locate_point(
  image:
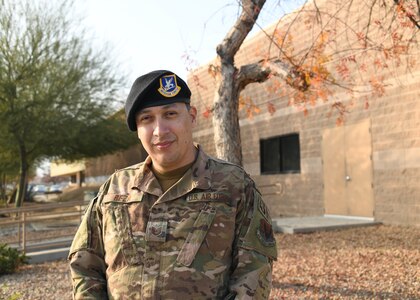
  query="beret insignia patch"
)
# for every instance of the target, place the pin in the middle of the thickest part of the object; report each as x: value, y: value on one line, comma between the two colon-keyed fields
x: 265, y: 233
x: 168, y: 86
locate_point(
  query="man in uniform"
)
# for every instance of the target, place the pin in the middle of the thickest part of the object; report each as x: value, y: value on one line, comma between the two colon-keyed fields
x: 180, y: 225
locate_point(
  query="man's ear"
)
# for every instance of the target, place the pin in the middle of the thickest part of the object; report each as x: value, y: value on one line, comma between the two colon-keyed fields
x: 193, y: 114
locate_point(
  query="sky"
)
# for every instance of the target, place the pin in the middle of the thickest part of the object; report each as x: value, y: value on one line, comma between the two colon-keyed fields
x: 147, y: 35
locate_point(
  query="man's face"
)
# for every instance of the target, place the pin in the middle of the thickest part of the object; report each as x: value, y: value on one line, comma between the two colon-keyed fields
x: 166, y: 134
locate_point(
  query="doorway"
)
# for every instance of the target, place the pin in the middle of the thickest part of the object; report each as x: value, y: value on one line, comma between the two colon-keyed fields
x: 347, y: 167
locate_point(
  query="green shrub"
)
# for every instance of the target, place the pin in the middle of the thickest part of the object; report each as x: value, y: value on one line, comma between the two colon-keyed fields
x: 10, y: 259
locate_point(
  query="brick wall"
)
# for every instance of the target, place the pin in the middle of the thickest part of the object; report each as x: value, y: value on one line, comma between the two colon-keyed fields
x: 395, y: 136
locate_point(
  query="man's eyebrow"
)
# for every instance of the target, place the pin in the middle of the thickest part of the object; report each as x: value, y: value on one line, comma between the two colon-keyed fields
x: 144, y: 111
x: 167, y: 106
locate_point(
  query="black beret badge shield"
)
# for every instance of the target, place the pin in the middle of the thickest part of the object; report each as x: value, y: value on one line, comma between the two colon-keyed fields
x: 169, y: 86
x: 156, y: 88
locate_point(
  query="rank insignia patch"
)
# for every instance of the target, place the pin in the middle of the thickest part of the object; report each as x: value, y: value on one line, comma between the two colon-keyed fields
x: 265, y: 233
x: 156, y: 231
x: 168, y: 86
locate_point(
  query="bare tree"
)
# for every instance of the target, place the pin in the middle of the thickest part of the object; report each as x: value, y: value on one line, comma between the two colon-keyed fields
x: 370, y: 35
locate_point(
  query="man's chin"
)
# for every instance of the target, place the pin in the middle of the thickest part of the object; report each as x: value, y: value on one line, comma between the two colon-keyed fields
x: 163, y: 161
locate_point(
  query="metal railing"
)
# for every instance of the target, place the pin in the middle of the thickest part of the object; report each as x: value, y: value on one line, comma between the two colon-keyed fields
x: 23, y: 216
x: 271, y: 189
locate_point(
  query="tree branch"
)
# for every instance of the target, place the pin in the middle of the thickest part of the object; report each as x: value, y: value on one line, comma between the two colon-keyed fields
x: 408, y: 15
x: 260, y: 72
x: 243, y: 25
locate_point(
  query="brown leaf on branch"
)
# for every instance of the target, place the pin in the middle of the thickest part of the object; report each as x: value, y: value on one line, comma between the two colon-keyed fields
x: 242, y: 103
x: 249, y: 113
x: 214, y: 71
x: 249, y: 105
x: 323, y: 94
x: 271, y: 108
x: 197, y: 82
x: 207, y: 112
x: 366, y: 104
x: 343, y: 69
x: 378, y: 86
x: 256, y: 109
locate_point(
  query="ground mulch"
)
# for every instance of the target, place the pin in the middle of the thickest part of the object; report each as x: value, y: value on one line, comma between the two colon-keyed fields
x: 379, y: 262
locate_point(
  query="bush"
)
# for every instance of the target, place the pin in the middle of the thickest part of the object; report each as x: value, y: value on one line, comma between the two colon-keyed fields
x: 10, y: 259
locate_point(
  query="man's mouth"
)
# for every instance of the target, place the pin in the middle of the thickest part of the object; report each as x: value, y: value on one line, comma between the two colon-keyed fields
x: 163, y: 145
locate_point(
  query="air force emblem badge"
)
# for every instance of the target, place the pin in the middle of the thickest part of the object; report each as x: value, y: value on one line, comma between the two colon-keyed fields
x: 168, y: 86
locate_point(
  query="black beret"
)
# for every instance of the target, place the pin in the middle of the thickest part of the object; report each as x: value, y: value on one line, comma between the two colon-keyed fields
x: 154, y: 89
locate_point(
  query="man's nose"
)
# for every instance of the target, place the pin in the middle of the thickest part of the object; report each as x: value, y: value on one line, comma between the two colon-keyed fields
x: 161, y: 127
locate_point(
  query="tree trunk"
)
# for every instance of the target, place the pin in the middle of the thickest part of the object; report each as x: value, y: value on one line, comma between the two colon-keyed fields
x: 12, y: 196
x: 2, y: 186
x: 227, y: 136
x: 23, y: 174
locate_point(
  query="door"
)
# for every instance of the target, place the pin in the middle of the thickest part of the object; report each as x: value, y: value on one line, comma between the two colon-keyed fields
x: 347, y: 167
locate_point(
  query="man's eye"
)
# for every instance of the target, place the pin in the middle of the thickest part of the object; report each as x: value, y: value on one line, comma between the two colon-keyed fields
x: 145, y: 118
x: 171, y: 113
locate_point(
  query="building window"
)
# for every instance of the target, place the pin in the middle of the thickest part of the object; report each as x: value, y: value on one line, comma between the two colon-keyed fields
x: 280, y: 154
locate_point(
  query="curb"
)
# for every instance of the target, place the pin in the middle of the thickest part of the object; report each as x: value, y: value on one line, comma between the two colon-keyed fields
x: 47, y: 255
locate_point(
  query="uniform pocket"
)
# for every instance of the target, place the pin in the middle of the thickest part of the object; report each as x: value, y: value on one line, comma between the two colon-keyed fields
x: 120, y: 232
x: 196, y: 236
x: 128, y: 245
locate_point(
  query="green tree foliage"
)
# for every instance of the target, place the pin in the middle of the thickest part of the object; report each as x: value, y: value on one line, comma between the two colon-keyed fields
x: 57, y: 92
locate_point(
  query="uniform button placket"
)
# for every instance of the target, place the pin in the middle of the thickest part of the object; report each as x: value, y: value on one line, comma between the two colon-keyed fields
x: 151, y: 271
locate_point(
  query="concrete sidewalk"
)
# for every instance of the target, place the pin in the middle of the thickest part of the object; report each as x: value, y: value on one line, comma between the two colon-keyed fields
x: 42, y: 256
x: 319, y: 223
x: 59, y: 248
x: 48, y: 250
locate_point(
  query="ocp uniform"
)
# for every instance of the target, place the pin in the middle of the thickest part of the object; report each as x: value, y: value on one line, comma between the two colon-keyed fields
x: 207, y: 237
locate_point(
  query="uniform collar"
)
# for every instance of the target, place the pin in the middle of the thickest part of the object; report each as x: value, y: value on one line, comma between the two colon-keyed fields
x: 200, y: 175
x: 197, y: 177
x: 145, y: 180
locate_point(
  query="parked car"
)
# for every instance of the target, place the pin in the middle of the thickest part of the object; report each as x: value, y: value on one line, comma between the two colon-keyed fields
x: 55, y: 188
x: 36, y: 189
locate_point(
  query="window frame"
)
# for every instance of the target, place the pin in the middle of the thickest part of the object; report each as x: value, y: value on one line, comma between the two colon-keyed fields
x: 280, y: 168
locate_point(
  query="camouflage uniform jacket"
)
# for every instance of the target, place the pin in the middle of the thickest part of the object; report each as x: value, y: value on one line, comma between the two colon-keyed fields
x: 207, y: 237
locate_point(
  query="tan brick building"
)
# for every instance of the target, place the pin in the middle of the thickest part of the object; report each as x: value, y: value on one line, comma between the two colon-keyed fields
x: 307, y: 165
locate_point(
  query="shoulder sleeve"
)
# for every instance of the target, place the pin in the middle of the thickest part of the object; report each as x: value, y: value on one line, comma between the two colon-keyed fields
x: 258, y: 234
x: 88, y: 235
x: 256, y: 229
x: 86, y: 255
x: 254, y: 248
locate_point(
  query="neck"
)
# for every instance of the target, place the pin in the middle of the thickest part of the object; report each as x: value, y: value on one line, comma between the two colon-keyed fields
x: 172, y: 173
x: 168, y: 169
